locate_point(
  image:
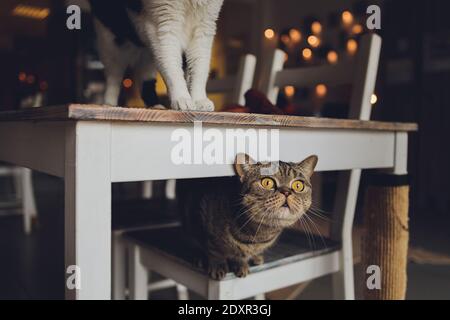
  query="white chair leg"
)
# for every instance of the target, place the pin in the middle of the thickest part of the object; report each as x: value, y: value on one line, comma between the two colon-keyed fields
x: 160, y: 284
x: 137, y: 275
x: 28, y: 201
x: 219, y: 290
x: 170, y: 189
x: 119, y: 256
x: 343, y: 280
x: 260, y: 296
x: 348, y: 186
x: 182, y: 292
x: 147, y: 189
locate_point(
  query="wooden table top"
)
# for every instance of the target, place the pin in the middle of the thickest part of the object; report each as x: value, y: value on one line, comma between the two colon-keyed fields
x: 78, y: 112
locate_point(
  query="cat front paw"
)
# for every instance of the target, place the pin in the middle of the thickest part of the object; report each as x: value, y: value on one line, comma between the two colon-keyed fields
x: 204, y: 105
x: 183, y: 104
x: 217, y: 271
x: 240, y: 269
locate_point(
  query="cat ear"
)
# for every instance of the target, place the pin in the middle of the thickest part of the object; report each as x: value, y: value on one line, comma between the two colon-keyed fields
x: 242, y: 164
x: 307, y: 166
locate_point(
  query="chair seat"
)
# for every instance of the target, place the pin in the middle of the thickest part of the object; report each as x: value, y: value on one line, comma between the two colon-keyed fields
x: 128, y: 215
x: 174, y: 244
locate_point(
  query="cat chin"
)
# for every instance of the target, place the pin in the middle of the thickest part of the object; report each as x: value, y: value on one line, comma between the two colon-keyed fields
x: 285, y: 213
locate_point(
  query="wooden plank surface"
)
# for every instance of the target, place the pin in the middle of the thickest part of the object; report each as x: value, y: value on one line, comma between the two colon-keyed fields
x: 107, y: 113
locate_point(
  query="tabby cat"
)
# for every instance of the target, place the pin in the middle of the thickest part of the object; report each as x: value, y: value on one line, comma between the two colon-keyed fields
x: 234, y: 220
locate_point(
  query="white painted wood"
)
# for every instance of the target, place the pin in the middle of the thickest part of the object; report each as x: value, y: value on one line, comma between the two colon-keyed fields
x: 344, y: 212
x: 270, y: 74
x: 171, y: 189
x: 361, y: 74
x: 134, y: 148
x: 29, y: 210
x: 244, y: 78
x: 332, y: 75
x: 237, y: 85
x: 35, y: 145
x: 147, y: 189
x: 241, y: 288
x: 365, y: 77
x: 162, y: 284
x: 138, y: 275
x: 220, y: 290
x: 182, y: 292
x: 88, y: 208
x: 119, y: 274
x: 168, y: 268
x: 23, y: 188
x: 285, y: 276
x: 401, y: 154
x: 9, y: 171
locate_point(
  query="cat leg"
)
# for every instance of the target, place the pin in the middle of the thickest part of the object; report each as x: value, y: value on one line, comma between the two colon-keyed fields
x: 257, y: 260
x: 168, y: 55
x: 198, y: 56
x: 239, y: 267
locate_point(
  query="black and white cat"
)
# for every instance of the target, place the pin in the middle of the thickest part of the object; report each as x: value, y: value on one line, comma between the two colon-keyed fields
x: 153, y: 35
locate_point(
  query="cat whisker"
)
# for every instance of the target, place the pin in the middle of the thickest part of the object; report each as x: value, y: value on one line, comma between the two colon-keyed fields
x: 321, y: 216
x: 319, y: 209
x: 260, y: 224
x: 317, y: 229
x: 306, y: 230
x: 250, y: 218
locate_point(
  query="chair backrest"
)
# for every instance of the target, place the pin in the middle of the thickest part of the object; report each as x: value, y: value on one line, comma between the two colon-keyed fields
x: 361, y: 73
x: 236, y: 85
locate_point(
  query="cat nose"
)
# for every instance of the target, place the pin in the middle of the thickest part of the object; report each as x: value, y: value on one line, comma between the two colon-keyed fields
x: 285, y: 191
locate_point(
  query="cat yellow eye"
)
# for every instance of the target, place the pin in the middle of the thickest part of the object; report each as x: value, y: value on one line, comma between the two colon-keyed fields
x: 268, y: 183
x: 298, y: 186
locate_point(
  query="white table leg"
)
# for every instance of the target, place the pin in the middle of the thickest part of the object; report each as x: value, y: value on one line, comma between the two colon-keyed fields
x: 88, y: 210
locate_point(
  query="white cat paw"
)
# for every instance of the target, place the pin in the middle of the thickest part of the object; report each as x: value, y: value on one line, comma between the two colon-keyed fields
x: 204, y: 105
x: 183, y: 104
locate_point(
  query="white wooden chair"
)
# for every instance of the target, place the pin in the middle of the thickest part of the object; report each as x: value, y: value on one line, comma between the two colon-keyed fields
x: 361, y: 74
x: 236, y: 86
x: 172, y: 254
x: 23, y: 185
